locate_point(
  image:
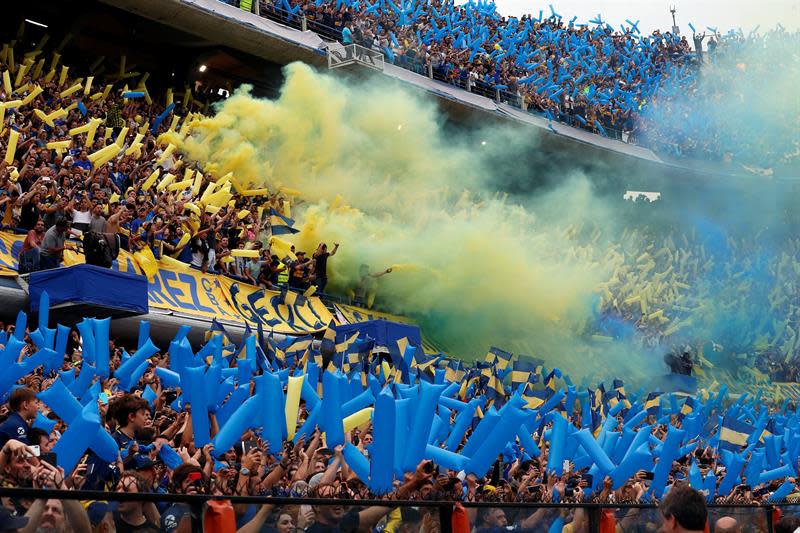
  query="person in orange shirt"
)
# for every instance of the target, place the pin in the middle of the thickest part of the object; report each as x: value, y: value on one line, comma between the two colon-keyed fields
x: 29, y: 254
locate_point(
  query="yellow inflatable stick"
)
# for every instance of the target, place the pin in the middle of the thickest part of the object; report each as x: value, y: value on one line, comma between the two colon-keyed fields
x: 207, y: 192
x: 57, y: 114
x: 63, y: 76
x: 198, y: 182
x: 289, y: 192
x: 93, y: 125
x: 244, y: 213
x: 151, y: 179
x: 121, y: 137
x: 167, y: 153
x: 31, y: 95
x: 43, y: 117
x: 7, y: 84
x: 293, y: 403
x: 21, y: 74
x: 255, y: 192
x: 37, y: 70
x: 179, y: 185
x: 104, y: 155
x: 181, y: 243
x: 219, y: 198
x: 281, y: 248
x: 212, y: 209
x: 192, y: 207
x: 169, y: 96
x: 246, y: 253
x: 59, y: 145
x: 94, y: 66
x: 166, y: 180
x: 173, y: 264
x: 136, y: 145
x: 147, y: 262
x: 13, y: 138
x: 357, y: 419
x: 107, y: 90
x: 88, y: 87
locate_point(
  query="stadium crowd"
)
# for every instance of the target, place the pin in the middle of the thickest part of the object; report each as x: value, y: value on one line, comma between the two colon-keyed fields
x: 648, y: 89
x: 57, y: 178
x: 52, y: 186
x: 155, y: 438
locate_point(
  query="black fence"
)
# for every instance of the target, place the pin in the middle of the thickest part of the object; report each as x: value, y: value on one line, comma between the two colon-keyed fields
x: 413, y: 516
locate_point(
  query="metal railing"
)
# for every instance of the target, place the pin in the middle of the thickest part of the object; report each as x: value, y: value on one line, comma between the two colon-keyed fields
x: 443, y: 73
x: 538, y: 516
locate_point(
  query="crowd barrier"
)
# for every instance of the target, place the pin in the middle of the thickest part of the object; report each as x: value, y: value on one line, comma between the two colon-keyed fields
x: 431, y: 516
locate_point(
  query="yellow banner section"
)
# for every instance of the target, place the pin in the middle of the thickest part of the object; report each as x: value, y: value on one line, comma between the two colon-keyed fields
x: 178, y: 288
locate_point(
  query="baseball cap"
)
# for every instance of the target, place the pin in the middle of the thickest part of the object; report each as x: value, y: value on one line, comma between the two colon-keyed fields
x: 98, y: 510
x: 140, y: 462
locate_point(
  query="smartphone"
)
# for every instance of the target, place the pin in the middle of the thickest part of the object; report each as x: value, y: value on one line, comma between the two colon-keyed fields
x: 35, y: 450
x: 247, y: 446
x: 428, y: 467
x: 588, y: 478
x: 649, y: 475
x: 49, y: 458
x: 324, y: 451
x: 565, y: 466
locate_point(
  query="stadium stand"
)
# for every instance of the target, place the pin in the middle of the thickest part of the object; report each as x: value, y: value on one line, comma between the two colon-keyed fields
x: 585, y: 74
x: 338, y: 417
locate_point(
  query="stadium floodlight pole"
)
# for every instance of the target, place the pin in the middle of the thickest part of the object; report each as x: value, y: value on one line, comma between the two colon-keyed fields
x: 675, y: 29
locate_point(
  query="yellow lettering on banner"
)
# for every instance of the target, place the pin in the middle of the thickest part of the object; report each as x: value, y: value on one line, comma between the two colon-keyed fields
x: 181, y: 289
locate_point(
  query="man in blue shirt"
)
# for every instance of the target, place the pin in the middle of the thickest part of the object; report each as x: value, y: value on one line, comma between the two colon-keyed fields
x: 83, y: 161
x: 347, y: 35
x: 24, y: 406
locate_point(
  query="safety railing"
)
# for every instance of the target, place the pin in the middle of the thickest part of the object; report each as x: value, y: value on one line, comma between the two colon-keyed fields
x: 344, y: 508
x: 444, y: 73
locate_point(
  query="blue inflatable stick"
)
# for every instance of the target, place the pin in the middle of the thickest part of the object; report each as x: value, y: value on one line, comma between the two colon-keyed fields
x: 79, y: 435
x: 199, y: 402
x: 332, y: 411
x: 101, y: 346
x: 382, y: 450
x: 144, y: 333
x: 450, y: 460
x: 504, y: 431
x: 243, y: 418
x: 421, y: 428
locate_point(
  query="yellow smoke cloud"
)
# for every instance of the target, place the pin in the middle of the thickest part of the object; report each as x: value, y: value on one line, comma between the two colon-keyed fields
x: 378, y: 174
